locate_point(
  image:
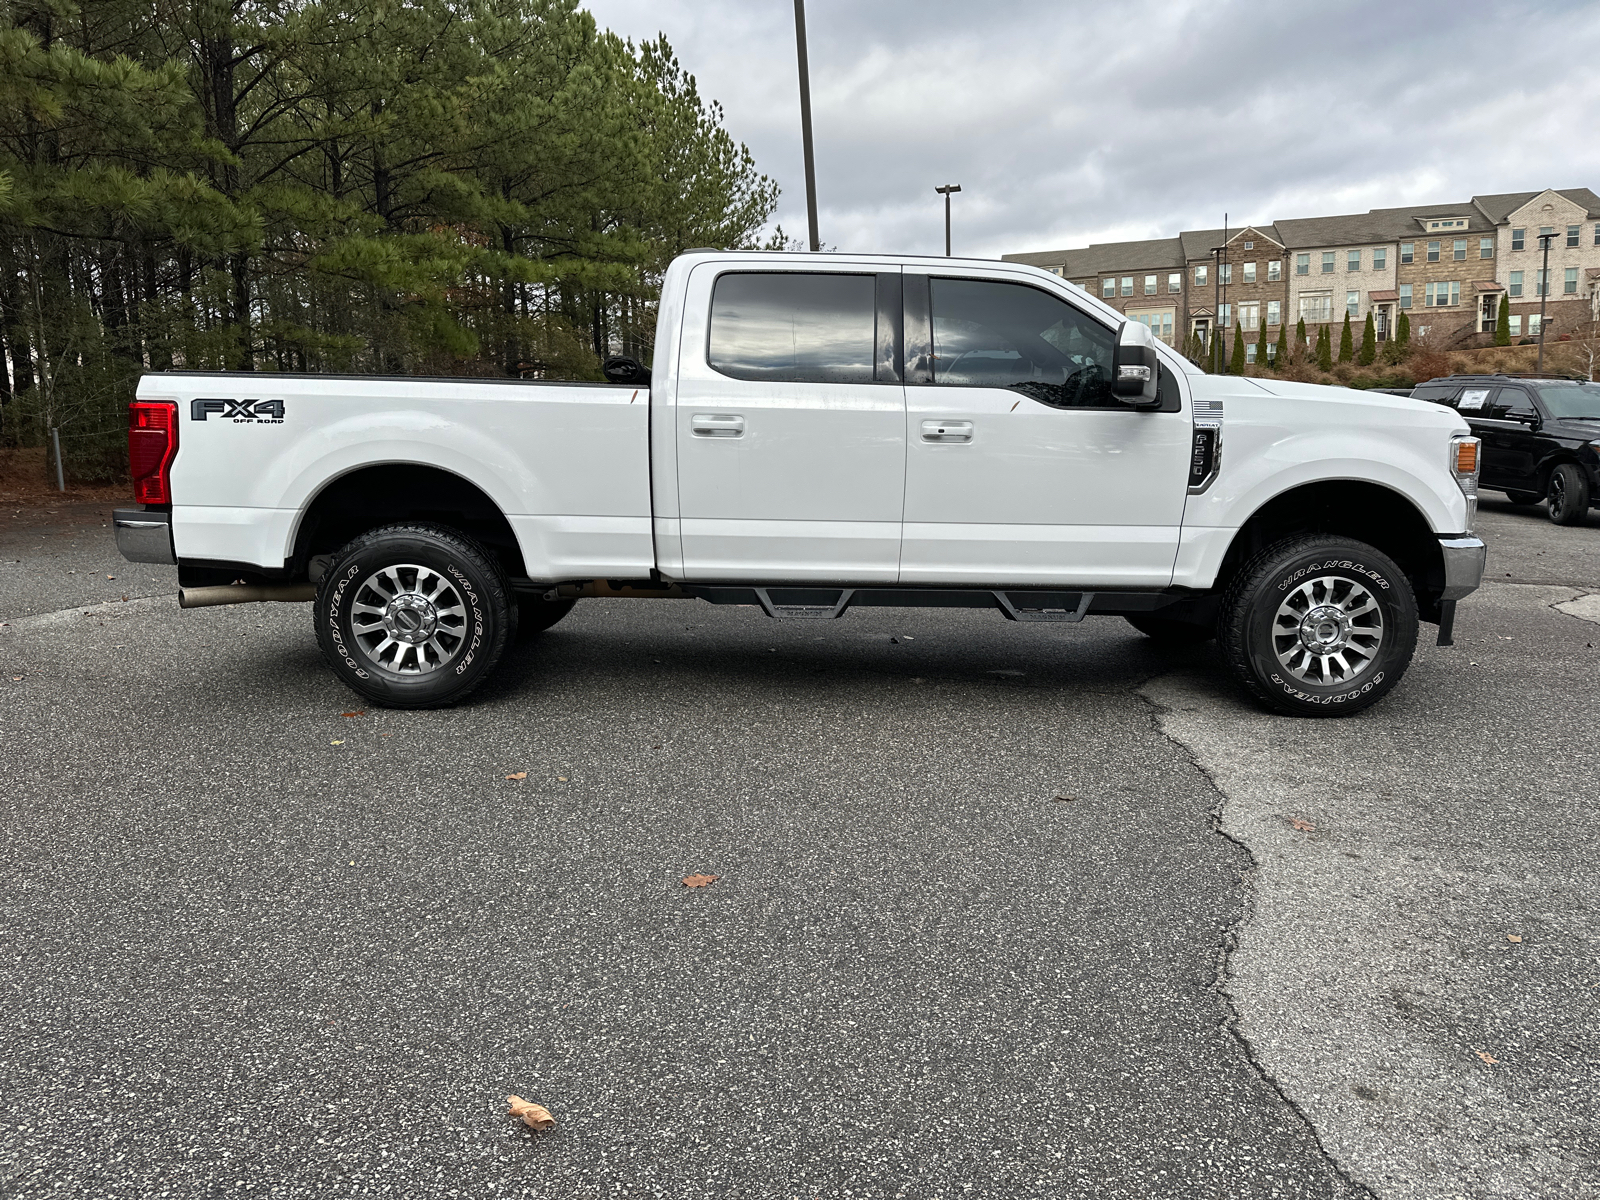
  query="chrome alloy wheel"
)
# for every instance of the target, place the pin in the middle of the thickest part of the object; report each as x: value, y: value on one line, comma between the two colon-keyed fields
x: 408, y: 619
x: 1328, y: 630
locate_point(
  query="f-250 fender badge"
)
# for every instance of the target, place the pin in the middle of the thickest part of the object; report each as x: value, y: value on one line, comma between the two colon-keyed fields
x: 253, y: 412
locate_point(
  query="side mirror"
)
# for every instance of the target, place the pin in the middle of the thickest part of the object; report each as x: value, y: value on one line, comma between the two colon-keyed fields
x: 1135, y: 366
x: 625, y: 370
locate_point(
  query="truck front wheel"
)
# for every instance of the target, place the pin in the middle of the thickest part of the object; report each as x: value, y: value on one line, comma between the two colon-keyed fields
x: 1319, y: 626
x: 413, y: 616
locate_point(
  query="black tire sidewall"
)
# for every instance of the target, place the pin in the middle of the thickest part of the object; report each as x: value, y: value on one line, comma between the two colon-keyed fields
x: 1251, y: 646
x: 1575, y: 500
x: 492, y: 624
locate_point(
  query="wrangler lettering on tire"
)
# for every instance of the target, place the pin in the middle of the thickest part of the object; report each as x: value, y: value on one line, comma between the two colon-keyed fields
x: 1319, y: 626
x: 413, y: 616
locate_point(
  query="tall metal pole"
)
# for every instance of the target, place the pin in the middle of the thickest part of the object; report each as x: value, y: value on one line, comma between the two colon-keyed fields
x: 1222, y: 272
x: 1216, y: 311
x: 805, y: 121
x: 1544, y: 291
x: 945, y: 192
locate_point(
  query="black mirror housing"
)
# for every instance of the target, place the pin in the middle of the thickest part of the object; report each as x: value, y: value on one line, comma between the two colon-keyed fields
x: 1135, y: 365
x: 622, y: 369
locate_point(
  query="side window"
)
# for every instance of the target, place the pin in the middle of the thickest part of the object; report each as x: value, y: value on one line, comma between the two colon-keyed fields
x: 1009, y: 335
x: 1475, y: 401
x: 1445, y: 395
x: 1513, y: 402
x: 799, y: 327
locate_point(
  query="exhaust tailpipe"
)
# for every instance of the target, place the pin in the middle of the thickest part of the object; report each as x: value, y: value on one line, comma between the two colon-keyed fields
x: 239, y: 593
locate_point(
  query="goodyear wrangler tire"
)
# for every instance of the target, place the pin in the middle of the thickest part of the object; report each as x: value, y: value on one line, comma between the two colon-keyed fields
x: 1319, y: 626
x: 413, y: 616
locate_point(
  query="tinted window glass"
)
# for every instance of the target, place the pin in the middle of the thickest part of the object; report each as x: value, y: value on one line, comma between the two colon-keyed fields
x: 1439, y: 395
x: 1571, y: 399
x: 794, y: 328
x: 1008, y: 335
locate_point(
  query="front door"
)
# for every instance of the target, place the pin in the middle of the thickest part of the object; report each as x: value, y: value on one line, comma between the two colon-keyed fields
x: 790, y: 423
x: 1504, y: 418
x: 1021, y: 467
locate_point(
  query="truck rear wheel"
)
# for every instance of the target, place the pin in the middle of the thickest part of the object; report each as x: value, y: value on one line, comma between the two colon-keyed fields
x: 1319, y: 626
x: 413, y: 616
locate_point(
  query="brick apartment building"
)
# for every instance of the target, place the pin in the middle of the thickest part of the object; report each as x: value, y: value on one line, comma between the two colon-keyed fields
x: 1445, y: 265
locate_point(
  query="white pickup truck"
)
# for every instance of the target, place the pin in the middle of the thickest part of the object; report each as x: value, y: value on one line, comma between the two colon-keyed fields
x: 821, y: 432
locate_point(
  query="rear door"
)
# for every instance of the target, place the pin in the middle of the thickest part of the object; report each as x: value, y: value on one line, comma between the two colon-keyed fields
x: 1021, y: 467
x: 1504, y: 419
x: 790, y: 425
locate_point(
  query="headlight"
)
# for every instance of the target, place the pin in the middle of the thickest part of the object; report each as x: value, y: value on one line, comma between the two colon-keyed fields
x: 1464, y: 467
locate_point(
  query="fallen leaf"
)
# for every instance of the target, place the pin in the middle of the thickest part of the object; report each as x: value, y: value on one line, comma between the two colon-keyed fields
x: 561, y: 778
x: 1303, y: 825
x: 336, y: 743
x: 360, y: 712
x: 518, y: 775
x: 1065, y: 799
x: 110, y: 576
x: 693, y: 881
x: 1513, y: 937
x: 1486, y: 1056
x: 534, y: 1116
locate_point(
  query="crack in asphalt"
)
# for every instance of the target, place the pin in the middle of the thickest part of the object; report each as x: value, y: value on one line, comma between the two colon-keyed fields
x: 1230, y: 941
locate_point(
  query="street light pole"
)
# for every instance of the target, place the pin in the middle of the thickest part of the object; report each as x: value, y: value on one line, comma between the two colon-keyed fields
x: 1544, y: 291
x: 805, y: 122
x: 945, y: 192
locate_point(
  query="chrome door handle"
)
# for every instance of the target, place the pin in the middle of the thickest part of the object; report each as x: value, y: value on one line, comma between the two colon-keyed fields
x: 716, y: 425
x: 947, y: 431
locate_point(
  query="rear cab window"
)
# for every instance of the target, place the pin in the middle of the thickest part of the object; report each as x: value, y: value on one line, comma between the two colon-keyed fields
x: 803, y: 327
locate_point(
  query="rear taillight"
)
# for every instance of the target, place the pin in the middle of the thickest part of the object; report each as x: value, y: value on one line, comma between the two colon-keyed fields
x: 152, y: 445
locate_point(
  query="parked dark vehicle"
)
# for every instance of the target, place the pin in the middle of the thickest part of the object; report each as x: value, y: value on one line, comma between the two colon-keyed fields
x: 1540, y: 434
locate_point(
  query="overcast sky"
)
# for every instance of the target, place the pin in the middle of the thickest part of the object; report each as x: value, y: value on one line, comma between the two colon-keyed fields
x: 1067, y: 123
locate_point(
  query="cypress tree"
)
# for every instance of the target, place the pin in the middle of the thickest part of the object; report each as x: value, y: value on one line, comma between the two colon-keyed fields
x: 1300, y: 332
x: 1402, y: 330
x: 1502, y: 325
x: 1324, y: 349
x: 1263, y: 359
x: 1236, y: 367
x: 1369, y: 343
x: 1346, y: 344
x: 1283, y: 347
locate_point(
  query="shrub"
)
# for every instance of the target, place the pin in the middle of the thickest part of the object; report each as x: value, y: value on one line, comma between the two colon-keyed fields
x: 1369, y: 343
x: 1345, y: 343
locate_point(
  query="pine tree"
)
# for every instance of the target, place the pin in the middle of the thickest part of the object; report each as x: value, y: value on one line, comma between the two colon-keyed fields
x: 1502, y: 325
x: 1324, y: 349
x: 1402, y: 330
x: 1369, y: 343
x: 1236, y: 366
x: 1346, y: 343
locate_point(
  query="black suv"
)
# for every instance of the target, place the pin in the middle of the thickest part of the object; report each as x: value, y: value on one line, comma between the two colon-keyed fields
x: 1540, y: 436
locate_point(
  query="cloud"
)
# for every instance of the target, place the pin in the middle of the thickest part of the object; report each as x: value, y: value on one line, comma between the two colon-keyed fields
x: 1067, y: 123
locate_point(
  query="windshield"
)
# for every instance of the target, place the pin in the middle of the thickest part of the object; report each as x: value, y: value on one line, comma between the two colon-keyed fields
x: 1571, y: 399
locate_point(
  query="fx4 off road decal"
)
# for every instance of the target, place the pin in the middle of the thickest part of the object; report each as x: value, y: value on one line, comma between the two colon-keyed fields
x: 240, y: 412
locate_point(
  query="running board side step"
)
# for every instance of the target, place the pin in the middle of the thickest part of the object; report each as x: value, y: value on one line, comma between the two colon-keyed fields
x: 828, y: 604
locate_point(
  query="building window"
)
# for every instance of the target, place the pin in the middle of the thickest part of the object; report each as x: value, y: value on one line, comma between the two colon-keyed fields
x: 1272, y: 351
x: 1547, y: 231
x: 1597, y: 233
x: 1405, y: 295
x: 1519, y: 239
x: 1200, y: 276
x: 1534, y: 321
x: 1433, y: 251
x: 1461, y: 249
x: 1250, y: 352
x: 1175, y: 281
x: 1227, y: 274
x: 1250, y: 316
x: 1316, y: 308
x: 1515, y: 287
x: 1327, y: 262
x: 1541, y: 285
x: 1380, y: 258
x: 1274, y: 312
x: 1149, y: 285
x: 1302, y: 262
x: 1572, y: 234
x: 1443, y: 294
x: 1486, y: 247
x: 1108, y: 287
x: 1569, y: 282
x: 1275, y: 269
x: 1249, y: 272
x: 1127, y: 285
x: 1227, y: 315
x: 1352, y: 260
x: 1406, y: 249
x: 1352, y: 303
x: 1516, y: 324
x: 1249, y: 245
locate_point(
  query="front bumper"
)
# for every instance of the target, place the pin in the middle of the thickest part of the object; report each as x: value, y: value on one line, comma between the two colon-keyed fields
x: 144, y: 537
x: 1464, y: 559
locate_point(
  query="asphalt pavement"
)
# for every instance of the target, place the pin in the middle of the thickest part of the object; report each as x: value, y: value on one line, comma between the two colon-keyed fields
x: 1001, y: 910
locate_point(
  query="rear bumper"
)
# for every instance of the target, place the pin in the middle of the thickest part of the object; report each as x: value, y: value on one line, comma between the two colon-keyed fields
x: 1464, y: 559
x: 143, y: 537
